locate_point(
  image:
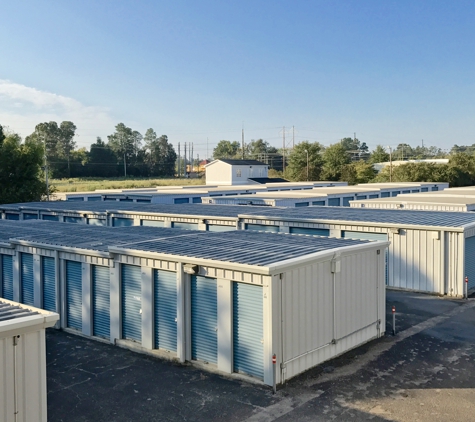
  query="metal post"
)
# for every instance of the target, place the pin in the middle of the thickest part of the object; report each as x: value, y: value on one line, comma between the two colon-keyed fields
x: 466, y: 287
x: 307, y: 163
x: 46, y: 178
x: 394, y: 320
x: 274, y: 362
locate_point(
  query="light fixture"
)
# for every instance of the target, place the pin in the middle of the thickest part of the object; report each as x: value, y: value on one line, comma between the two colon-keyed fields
x: 191, y: 268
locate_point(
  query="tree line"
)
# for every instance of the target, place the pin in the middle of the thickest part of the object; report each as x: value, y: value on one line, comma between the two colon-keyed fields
x: 126, y: 152
x: 350, y: 160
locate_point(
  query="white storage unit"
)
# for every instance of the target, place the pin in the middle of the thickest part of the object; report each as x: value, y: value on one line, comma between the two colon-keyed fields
x: 421, y: 203
x: 23, y: 362
x: 428, y: 252
x: 228, y: 300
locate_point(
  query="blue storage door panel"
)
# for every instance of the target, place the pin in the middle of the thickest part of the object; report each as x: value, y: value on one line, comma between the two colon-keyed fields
x: 262, y: 228
x: 101, y: 301
x: 369, y: 236
x: 248, y: 329
x: 131, y: 303
x: 333, y: 202
x: 7, y: 277
x: 470, y: 261
x: 74, y: 295
x: 204, y: 319
x: 309, y: 231
x: 27, y: 279
x: 165, y: 298
x: 48, y: 271
x: 122, y: 222
x: 185, y: 226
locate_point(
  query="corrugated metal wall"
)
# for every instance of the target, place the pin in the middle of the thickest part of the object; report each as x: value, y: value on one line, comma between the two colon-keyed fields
x: 48, y: 275
x: 74, y: 295
x: 27, y: 279
x: 165, y: 310
x: 101, y: 301
x: 131, y: 298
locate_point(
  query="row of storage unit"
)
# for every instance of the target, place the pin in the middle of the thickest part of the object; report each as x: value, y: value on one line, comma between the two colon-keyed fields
x: 228, y: 301
x: 429, y: 252
x: 185, y: 194
x: 451, y: 199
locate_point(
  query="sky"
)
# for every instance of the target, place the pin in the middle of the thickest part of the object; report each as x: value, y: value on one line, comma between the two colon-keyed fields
x: 199, y: 71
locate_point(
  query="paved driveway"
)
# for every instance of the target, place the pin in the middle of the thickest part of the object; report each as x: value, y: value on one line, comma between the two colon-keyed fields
x: 425, y: 373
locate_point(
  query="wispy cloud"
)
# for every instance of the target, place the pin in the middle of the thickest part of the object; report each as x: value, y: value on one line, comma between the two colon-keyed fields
x: 23, y: 107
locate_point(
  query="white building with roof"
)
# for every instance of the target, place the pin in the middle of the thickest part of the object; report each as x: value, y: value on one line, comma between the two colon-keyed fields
x: 235, y: 172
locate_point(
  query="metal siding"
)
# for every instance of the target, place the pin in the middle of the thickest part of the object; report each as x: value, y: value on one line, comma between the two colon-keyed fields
x: 309, y: 231
x: 101, y: 301
x: 248, y: 329
x: 48, y: 276
x: 74, y: 295
x: 122, y: 222
x: 165, y: 310
x: 370, y: 236
x: 262, y: 228
x: 334, y: 202
x: 27, y: 279
x: 204, y: 319
x: 7, y: 277
x: 470, y: 261
x: 131, y: 302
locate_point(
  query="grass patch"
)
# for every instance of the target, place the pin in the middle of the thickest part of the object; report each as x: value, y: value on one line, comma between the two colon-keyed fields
x: 92, y: 184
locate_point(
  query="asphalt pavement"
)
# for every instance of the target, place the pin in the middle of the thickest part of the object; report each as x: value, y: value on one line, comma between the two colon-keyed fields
x: 424, y: 373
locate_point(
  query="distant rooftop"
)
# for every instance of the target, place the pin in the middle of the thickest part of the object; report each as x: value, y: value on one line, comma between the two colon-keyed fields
x: 242, y: 162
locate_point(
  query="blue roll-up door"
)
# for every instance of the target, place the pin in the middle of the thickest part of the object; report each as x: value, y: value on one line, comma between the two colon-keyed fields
x: 74, y: 295
x: 470, y: 261
x: 27, y: 279
x: 48, y: 217
x: 435, y: 188
x: 369, y: 236
x: 197, y: 200
x: 424, y: 189
x: 309, y: 231
x: 9, y: 216
x: 373, y: 196
x: 122, y: 222
x: 96, y: 222
x: 131, y: 296
x: 28, y: 216
x: 262, y: 228
x: 346, y: 201
x: 165, y: 299
x: 395, y: 193
x: 301, y: 204
x: 101, y: 301
x: 7, y: 277
x: 248, y: 329
x: 48, y: 277
x: 333, y: 202
x: 185, y: 226
x: 181, y: 200
x: 204, y: 319
x: 322, y: 203
x: 219, y: 228
x: 385, y: 194
x: 73, y: 219
x: 152, y: 223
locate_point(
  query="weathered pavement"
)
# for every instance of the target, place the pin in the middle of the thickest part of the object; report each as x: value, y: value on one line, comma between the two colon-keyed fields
x: 425, y: 373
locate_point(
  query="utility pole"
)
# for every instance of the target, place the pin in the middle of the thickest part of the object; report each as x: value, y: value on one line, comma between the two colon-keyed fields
x: 283, y: 149
x: 293, y: 137
x: 179, y: 161
x: 242, y: 140
x: 207, y: 152
x: 184, y: 162
x: 390, y: 164
x: 423, y: 143
x: 192, y: 148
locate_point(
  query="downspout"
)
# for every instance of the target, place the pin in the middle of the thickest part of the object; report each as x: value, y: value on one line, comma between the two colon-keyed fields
x: 444, y: 288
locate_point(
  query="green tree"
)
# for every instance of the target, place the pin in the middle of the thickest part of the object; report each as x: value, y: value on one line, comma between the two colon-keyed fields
x: 20, y: 170
x: 358, y: 172
x: 335, y: 158
x: 66, y: 143
x: 298, y: 166
x: 102, y: 161
x: 122, y: 143
x: 160, y: 155
x: 2, y: 135
x: 379, y: 155
x: 226, y: 149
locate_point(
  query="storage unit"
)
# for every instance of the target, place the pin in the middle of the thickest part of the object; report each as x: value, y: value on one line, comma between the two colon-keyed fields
x: 23, y: 362
x: 227, y: 300
x: 48, y: 276
x: 27, y: 279
x: 420, y: 203
x: 428, y: 252
x: 7, y: 277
